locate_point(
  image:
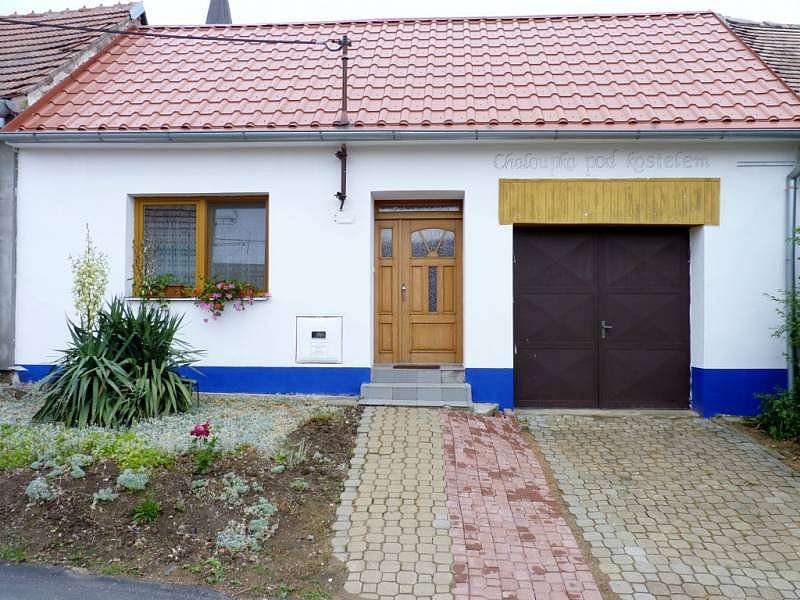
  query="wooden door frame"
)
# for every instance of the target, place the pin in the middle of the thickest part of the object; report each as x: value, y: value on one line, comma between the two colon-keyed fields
x: 410, y: 215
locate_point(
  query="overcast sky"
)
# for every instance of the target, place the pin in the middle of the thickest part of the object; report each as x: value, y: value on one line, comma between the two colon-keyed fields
x: 266, y: 11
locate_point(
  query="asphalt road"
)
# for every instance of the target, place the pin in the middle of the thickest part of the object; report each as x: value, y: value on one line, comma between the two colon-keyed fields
x: 40, y: 582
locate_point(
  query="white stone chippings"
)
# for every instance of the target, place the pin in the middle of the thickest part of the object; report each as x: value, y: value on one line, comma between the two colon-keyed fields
x: 262, y: 421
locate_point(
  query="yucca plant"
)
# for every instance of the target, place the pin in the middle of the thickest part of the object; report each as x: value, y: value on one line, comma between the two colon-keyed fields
x: 120, y: 372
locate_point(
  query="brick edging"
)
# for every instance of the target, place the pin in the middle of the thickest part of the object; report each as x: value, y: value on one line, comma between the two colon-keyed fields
x: 342, y: 525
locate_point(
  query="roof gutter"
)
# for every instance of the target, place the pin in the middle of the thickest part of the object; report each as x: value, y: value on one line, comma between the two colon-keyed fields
x: 791, y: 272
x: 381, y: 135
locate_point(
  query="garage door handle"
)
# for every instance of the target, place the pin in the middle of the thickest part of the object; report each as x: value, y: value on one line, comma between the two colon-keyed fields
x: 603, y: 329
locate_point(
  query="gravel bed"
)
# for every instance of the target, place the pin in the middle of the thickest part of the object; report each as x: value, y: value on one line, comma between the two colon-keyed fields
x: 261, y: 421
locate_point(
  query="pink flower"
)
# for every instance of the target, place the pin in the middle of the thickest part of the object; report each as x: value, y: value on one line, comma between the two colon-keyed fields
x: 203, y: 430
x: 221, y: 285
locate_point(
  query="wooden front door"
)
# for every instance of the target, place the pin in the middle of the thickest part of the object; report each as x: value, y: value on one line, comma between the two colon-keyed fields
x: 418, y: 288
x: 601, y: 318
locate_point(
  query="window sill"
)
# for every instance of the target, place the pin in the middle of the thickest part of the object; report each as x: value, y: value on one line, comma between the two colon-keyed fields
x: 192, y: 299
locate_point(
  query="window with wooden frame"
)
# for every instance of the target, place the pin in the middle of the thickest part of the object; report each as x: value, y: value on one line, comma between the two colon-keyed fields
x: 190, y: 240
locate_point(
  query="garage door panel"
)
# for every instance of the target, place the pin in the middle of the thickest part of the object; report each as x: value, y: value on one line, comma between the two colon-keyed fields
x: 555, y: 318
x: 556, y: 377
x: 643, y: 378
x: 646, y: 319
x: 566, y: 282
x: 551, y: 261
x: 644, y: 261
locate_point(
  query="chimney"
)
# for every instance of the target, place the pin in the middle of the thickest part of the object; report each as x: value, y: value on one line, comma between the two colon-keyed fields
x: 219, y: 13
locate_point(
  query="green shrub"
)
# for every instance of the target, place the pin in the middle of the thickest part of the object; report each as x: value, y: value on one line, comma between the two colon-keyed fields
x: 199, y: 484
x: 235, y: 539
x: 780, y: 415
x: 262, y: 508
x: 39, y: 490
x: 147, y: 511
x: 133, y: 480
x: 104, y: 495
x: 233, y: 487
x: 121, y: 371
x: 299, y: 485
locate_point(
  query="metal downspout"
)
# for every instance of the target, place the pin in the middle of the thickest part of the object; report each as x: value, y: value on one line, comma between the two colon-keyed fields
x: 791, y: 266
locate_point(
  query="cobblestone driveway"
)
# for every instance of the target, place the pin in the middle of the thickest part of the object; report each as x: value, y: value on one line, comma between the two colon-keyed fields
x: 678, y: 507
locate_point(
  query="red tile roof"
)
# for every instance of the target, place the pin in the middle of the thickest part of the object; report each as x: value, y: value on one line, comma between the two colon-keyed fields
x: 665, y: 71
x: 29, y: 54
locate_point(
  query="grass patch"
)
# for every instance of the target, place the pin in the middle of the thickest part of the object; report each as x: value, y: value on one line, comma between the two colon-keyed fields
x: 120, y: 569
x: 13, y: 554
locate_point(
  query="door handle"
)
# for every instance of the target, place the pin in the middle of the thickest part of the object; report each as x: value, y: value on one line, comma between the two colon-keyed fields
x: 603, y: 328
x: 403, y: 290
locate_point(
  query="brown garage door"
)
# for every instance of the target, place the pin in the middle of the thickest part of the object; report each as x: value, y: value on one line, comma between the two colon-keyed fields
x: 601, y: 318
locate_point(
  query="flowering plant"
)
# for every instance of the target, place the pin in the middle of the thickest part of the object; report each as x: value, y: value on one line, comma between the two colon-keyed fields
x: 201, y: 431
x: 213, y: 296
x: 89, y: 281
x: 204, y: 447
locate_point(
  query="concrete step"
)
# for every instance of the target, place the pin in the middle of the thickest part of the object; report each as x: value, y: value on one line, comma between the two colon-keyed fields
x: 439, y: 374
x: 416, y: 394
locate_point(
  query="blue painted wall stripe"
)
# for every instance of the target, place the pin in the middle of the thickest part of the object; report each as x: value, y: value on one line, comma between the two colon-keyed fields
x: 714, y: 391
x: 492, y: 385
x: 262, y: 380
x: 733, y: 391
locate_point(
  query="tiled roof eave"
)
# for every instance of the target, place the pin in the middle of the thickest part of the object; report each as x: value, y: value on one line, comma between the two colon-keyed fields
x: 383, y: 134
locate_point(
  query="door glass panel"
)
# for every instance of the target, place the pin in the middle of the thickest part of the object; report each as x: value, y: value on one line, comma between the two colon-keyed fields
x: 169, y: 235
x: 238, y: 242
x: 433, y: 242
x: 433, y: 286
x: 386, y: 243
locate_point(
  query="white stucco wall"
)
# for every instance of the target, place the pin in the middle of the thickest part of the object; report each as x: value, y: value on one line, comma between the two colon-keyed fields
x: 319, y: 267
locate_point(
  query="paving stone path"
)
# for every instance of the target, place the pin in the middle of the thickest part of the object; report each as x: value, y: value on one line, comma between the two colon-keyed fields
x: 509, y: 538
x: 397, y: 543
x: 442, y: 505
x: 678, y: 507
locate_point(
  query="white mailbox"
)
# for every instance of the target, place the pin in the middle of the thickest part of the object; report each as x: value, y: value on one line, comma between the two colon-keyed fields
x: 319, y: 339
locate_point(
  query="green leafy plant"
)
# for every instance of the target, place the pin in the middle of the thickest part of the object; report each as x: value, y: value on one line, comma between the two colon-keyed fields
x: 89, y: 281
x: 780, y: 415
x: 199, y: 484
x: 292, y: 456
x: 146, y: 511
x: 120, y: 372
x: 212, y: 296
x: 780, y: 411
x: 214, y: 571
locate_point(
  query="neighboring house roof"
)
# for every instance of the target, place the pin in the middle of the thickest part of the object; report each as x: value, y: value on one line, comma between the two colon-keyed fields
x: 31, y: 57
x: 615, y: 72
x: 777, y: 43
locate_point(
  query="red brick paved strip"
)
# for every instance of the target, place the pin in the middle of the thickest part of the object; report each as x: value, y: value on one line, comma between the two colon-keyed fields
x: 509, y: 538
